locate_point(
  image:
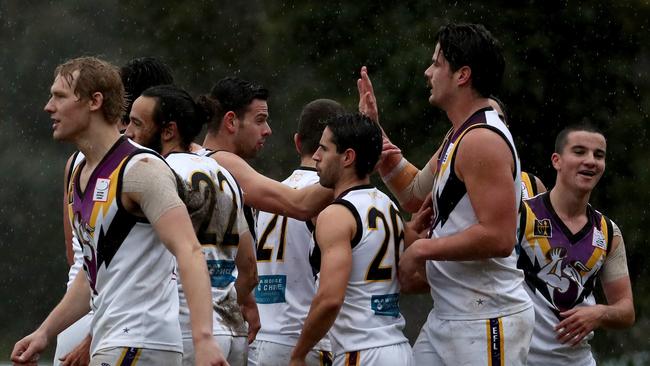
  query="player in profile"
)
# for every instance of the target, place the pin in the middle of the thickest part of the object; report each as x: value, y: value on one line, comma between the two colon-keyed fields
x: 475, y: 180
x: 126, y: 214
x: 531, y: 185
x: 238, y: 132
x: 566, y: 245
x: 137, y: 75
x: 167, y: 117
x: 287, y: 284
x: 360, y: 237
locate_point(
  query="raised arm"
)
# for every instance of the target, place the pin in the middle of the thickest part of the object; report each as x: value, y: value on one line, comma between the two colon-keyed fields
x: 269, y: 195
x: 334, y: 230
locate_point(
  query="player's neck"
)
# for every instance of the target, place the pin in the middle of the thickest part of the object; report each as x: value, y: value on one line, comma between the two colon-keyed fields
x: 307, y: 161
x: 347, y: 182
x: 460, y: 109
x: 219, y: 142
x: 96, y: 140
x: 170, y: 147
x: 567, y: 204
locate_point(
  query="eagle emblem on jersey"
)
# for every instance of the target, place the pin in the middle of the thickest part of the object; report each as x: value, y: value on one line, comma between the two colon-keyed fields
x: 562, y: 278
x: 543, y: 228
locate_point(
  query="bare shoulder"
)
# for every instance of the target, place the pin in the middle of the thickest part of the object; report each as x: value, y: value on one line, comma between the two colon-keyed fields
x: 334, y: 221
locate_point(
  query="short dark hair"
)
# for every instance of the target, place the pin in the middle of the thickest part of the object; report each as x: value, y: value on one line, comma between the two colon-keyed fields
x: 232, y: 94
x: 175, y: 104
x: 562, y: 137
x: 311, y: 122
x: 142, y: 73
x: 474, y: 46
x: 359, y: 133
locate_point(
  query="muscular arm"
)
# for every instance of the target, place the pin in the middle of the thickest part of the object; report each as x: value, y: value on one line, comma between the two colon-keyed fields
x: 335, y: 228
x: 246, y: 264
x: 73, y: 306
x: 268, y: 195
x: 485, y: 164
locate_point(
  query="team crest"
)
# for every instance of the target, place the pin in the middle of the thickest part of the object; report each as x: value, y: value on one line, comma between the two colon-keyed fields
x: 543, y: 228
x: 599, y: 240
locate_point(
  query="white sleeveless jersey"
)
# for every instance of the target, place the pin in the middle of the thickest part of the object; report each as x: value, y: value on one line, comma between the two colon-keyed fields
x: 287, y: 284
x: 130, y: 272
x: 76, y: 247
x: 480, y: 289
x: 370, y: 315
x: 214, y: 202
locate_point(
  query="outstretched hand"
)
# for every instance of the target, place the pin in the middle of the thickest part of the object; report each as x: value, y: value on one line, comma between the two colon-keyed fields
x: 367, y: 100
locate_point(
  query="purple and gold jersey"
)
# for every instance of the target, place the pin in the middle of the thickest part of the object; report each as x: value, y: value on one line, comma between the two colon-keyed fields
x: 560, y: 269
x: 131, y: 273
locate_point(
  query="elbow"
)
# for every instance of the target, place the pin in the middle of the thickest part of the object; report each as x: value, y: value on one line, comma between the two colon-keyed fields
x: 331, y: 304
x: 504, y: 251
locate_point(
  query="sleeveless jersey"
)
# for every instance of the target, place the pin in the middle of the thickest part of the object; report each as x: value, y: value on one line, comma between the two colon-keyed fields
x: 77, y: 158
x: 287, y: 285
x: 370, y: 316
x: 213, y: 200
x: 528, y: 185
x: 131, y: 273
x: 479, y: 289
x: 561, y: 270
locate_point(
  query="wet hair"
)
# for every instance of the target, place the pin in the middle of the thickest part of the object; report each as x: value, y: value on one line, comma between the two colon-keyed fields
x: 95, y: 76
x: 175, y: 104
x: 231, y: 94
x: 140, y: 74
x: 474, y: 46
x: 563, y: 136
x: 311, y: 122
x: 359, y: 133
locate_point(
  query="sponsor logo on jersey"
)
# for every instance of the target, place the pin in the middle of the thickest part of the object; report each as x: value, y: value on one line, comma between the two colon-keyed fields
x: 101, y: 190
x: 543, y: 228
x: 599, y: 240
x: 270, y: 289
x: 385, y: 304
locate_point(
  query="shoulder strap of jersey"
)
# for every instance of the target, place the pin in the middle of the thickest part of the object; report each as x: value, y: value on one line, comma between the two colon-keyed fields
x: 347, y: 204
x: 610, y: 233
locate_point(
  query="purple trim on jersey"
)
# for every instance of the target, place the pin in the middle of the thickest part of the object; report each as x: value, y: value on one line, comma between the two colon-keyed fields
x: 574, y: 250
x: 477, y: 118
x: 83, y: 200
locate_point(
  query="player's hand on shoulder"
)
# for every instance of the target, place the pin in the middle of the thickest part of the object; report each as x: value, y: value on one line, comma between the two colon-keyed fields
x: 27, y: 350
x: 208, y: 353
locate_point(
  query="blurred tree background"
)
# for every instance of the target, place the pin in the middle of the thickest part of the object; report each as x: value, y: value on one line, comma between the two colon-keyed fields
x: 566, y: 63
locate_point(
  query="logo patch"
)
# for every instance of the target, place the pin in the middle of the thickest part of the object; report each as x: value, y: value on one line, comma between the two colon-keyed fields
x: 101, y: 190
x: 543, y: 228
x: 385, y: 305
x: 599, y: 240
x: 270, y: 289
